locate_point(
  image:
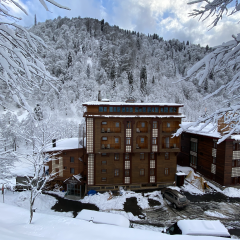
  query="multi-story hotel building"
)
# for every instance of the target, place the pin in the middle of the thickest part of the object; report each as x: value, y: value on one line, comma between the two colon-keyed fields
x: 130, y: 144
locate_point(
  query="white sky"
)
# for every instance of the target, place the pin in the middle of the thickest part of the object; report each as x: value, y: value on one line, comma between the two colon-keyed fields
x: 168, y: 18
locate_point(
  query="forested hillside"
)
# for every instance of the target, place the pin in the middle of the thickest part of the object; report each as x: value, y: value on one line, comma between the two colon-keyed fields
x: 87, y: 55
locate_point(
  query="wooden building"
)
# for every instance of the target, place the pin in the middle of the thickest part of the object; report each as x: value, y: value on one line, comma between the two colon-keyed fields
x: 69, y: 164
x: 217, y: 162
x: 130, y: 144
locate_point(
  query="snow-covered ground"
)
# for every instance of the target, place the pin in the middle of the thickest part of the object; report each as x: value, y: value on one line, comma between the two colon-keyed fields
x: 14, y: 226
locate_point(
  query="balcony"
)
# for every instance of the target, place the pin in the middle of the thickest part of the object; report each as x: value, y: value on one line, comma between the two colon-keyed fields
x: 110, y: 142
x: 110, y: 127
x: 142, y: 127
x: 170, y: 126
x: 142, y: 142
x: 170, y: 143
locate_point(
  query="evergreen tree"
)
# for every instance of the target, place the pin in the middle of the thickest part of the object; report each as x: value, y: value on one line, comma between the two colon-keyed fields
x: 69, y: 59
x: 35, y: 20
x: 88, y: 71
x: 143, y: 79
x: 102, y: 24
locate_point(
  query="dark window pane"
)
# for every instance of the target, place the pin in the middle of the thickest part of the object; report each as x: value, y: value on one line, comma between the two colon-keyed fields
x: 144, y: 109
x: 175, y: 109
x: 161, y: 109
x: 123, y: 109
x: 136, y: 109
x: 149, y: 109
x: 165, y: 109
x: 131, y: 109
x: 110, y: 109
x: 140, y: 109
x: 152, y: 109
x: 171, y: 109
x: 105, y: 109
x: 127, y: 109
x: 156, y: 109
x: 118, y: 109
x: 71, y: 159
x: 115, y: 109
x: 100, y: 109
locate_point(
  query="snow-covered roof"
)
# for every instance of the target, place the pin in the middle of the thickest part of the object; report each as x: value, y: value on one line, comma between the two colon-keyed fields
x: 203, y: 227
x: 204, y: 131
x: 235, y: 137
x: 104, y: 218
x: 77, y: 177
x: 181, y: 174
x: 136, y: 116
x: 66, y: 144
x: 132, y: 104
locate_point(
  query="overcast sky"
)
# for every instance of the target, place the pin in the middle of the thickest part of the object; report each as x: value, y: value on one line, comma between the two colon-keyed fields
x: 168, y: 18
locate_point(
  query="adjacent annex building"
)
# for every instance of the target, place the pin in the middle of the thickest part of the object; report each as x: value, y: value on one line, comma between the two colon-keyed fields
x: 69, y: 165
x: 130, y: 144
x: 217, y: 162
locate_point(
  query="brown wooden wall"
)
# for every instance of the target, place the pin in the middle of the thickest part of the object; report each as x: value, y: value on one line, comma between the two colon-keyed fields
x: 136, y: 165
x: 77, y: 164
x: 228, y: 162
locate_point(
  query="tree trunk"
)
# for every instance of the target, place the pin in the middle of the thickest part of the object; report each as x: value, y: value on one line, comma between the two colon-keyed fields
x: 31, y: 211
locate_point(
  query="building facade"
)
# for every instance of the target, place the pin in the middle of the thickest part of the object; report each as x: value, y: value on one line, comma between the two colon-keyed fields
x: 217, y: 162
x: 131, y: 144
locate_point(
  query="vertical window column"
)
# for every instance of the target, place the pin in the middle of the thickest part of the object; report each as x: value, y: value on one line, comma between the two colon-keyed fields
x: 89, y: 135
x: 155, y: 136
x: 152, y: 166
x: 127, y: 168
x: 128, y: 137
x: 90, y: 169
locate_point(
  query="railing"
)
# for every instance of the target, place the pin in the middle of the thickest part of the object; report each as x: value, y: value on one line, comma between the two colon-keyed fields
x: 141, y: 147
x: 110, y: 146
x: 170, y: 145
x: 141, y: 130
x: 110, y: 130
x: 169, y: 129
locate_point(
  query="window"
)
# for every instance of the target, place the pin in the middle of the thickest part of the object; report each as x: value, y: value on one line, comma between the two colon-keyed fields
x: 136, y: 109
x: 140, y: 109
x: 127, y: 173
x: 142, y: 172
x: 149, y: 109
x: 128, y: 141
x: 143, y: 124
x: 131, y: 109
x: 142, y: 140
x: 154, y: 141
x: 152, y: 156
x: 155, y: 125
x: 104, y: 154
x: 194, y: 146
x: 117, y: 124
x: 166, y: 171
x: 156, y: 109
x: 104, y: 171
x: 144, y: 109
x: 167, y: 155
x: 167, y: 143
x: 104, y: 123
x: 116, y: 140
x: 215, y: 144
x: 71, y: 159
x: 126, y: 155
x: 142, y: 156
x: 72, y: 170
x: 166, y: 109
x: 105, y: 109
x: 171, y: 109
x: 116, y: 156
x: 116, y: 172
x: 100, y: 109
x: 104, y: 138
x: 193, y: 161
x: 123, y: 109
x: 110, y: 109
x: 104, y: 162
x: 152, y: 172
x: 168, y: 125
x: 104, y: 179
x: 118, y: 109
x: 128, y: 125
x: 162, y: 109
x: 214, y: 160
